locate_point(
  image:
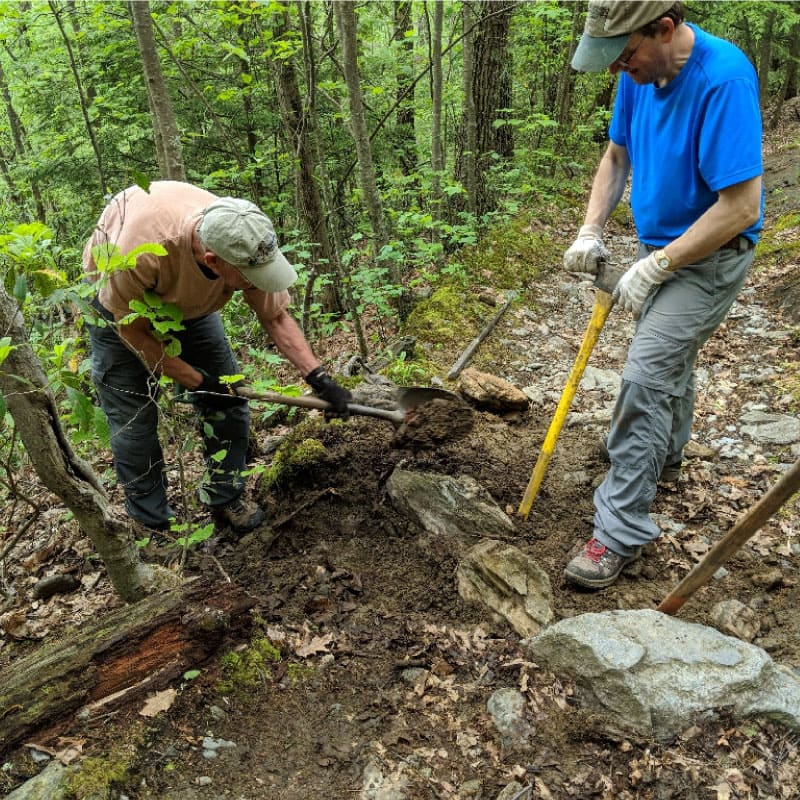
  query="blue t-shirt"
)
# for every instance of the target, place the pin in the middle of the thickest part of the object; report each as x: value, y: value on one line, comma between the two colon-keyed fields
x: 698, y: 134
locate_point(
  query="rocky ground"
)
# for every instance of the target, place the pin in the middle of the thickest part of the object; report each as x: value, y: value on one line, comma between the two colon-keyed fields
x: 366, y: 675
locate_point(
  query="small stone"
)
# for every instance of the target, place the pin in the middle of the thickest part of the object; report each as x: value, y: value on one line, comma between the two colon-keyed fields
x: 736, y: 619
x: 769, y: 580
x: 204, y: 780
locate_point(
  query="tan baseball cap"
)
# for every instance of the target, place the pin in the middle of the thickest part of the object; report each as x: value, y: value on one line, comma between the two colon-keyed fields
x: 609, y: 24
x: 239, y: 232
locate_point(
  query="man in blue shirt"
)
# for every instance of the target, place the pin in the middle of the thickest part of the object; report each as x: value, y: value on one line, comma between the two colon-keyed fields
x: 686, y: 129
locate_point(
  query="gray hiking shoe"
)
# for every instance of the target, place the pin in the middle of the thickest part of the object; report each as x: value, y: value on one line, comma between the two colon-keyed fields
x: 596, y: 567
x: 241, y: 515
x: 670, y: 473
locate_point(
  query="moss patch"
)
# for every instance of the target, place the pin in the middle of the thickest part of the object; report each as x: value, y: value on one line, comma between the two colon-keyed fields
x: 94, y: 777
x: 298, y: 454
x: 511, y: 256
x: 248, y: 667
x: 441, y: 318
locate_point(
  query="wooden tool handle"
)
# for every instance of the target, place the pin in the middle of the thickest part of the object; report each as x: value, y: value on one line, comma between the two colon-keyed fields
x: 746, y: 526
x: 309, y: 401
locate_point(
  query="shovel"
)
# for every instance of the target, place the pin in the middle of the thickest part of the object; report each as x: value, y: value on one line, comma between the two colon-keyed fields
x: 602, y: 305
x: 408, y: 399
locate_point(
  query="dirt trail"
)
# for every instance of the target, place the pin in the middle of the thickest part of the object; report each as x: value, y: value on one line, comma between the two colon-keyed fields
x: 384, y: 672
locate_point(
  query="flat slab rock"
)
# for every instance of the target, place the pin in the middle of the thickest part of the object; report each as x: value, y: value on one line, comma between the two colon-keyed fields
x: 655, y: 675
x: 509, y: 583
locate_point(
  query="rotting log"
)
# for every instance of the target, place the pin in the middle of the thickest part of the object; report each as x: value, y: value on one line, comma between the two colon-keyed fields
x: 153, y: 641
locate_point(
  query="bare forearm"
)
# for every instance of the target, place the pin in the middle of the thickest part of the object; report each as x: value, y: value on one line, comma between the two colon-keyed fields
x: 736, y: 209
x: 608, y: 186
x: 151, y: 351
x: 289, y: 339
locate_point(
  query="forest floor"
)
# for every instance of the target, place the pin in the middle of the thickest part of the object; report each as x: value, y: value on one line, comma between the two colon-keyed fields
x: 351, y: 597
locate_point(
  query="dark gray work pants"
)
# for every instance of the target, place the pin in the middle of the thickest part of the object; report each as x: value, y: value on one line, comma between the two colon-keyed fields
x: 128, y: 391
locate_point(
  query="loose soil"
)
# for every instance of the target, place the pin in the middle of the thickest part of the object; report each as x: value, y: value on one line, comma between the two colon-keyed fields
x: 353, y: 596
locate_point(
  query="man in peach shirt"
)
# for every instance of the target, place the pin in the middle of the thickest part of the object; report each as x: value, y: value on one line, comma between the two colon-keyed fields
x: 210, y: 248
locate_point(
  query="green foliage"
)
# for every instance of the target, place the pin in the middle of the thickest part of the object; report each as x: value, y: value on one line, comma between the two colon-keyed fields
x: 28, y: 259
x: 164, y: 318
x: 405, y: 372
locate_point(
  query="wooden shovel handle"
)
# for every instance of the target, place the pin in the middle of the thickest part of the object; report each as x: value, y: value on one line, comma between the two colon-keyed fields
x: 309, y: 401
x: 744, y: 528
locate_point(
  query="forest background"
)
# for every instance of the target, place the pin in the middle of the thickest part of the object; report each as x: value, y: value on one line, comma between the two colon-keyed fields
x: 385, y: 139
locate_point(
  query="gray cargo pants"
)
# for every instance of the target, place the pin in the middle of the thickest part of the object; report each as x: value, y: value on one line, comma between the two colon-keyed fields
x: 128, y: 392
x: 653, y: 416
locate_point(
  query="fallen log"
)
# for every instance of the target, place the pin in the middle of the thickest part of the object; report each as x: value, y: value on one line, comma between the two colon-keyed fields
x: 147, y: 643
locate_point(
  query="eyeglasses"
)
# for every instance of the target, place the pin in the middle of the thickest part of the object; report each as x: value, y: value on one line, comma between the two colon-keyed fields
x: 625, y: 63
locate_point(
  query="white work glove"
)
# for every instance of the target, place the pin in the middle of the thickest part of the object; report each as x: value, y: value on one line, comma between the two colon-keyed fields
x: 636, y: 284
x: 587, y: 251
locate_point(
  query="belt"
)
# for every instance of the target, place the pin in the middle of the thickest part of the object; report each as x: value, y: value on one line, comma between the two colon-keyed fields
x: 740, y: 243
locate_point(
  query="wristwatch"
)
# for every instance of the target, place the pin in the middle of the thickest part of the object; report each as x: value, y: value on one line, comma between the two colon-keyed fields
x: 663, y: 260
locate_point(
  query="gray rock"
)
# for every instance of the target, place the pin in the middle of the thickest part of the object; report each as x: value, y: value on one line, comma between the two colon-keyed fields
x: 771, y: 428
x: 656, y: 675
x: 47, y: 785
x: 735, y: 618
x: 515, y: 791
x: 377, y: 786
x: 512, y: 585
x: 441, y: 504
x: 608, y: 380
x: 507, y: 710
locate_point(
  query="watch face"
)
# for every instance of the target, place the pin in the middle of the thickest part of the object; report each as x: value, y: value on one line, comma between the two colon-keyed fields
x: 663, y: 262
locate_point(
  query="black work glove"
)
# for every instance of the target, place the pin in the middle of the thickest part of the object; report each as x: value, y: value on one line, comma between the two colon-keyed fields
x: 326, y: 387
x: 219, y: 395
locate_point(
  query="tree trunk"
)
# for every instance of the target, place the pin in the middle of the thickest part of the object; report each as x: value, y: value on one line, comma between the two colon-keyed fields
x: 346, y: 24
x: 487, y: 98
x: 81, y: 97
x: 18, y: 138
x: 491, y: 89
x: 765, y: 57
x: 566, y: 78
x: 466, y: 170
x: 404, y: 131
x: 33, y: 408
x: 437, y: 149
x: 300, y: 130
x: 168, y: 141
x: 789, y: 86
x: 131, y: 651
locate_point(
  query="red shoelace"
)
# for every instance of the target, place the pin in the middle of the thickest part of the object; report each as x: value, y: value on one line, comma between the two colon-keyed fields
x: 594, y: 550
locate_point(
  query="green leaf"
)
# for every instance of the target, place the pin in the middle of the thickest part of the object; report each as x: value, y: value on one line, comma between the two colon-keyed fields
x: 20, y: 291
x: 141, y: 180
x: 5, y: 348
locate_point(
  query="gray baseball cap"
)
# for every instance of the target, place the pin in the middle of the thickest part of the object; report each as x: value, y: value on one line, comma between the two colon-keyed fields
x: 239, y: 232
x: 609, y: 24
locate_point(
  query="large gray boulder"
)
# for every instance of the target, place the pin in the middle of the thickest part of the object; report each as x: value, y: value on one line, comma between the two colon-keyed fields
x: 655, y: 675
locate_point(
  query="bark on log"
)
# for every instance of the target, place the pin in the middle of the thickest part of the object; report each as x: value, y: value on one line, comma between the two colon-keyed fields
x: 158, y: 638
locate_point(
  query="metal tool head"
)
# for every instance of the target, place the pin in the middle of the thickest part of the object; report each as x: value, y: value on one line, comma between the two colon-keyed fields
x: 606, y: 278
